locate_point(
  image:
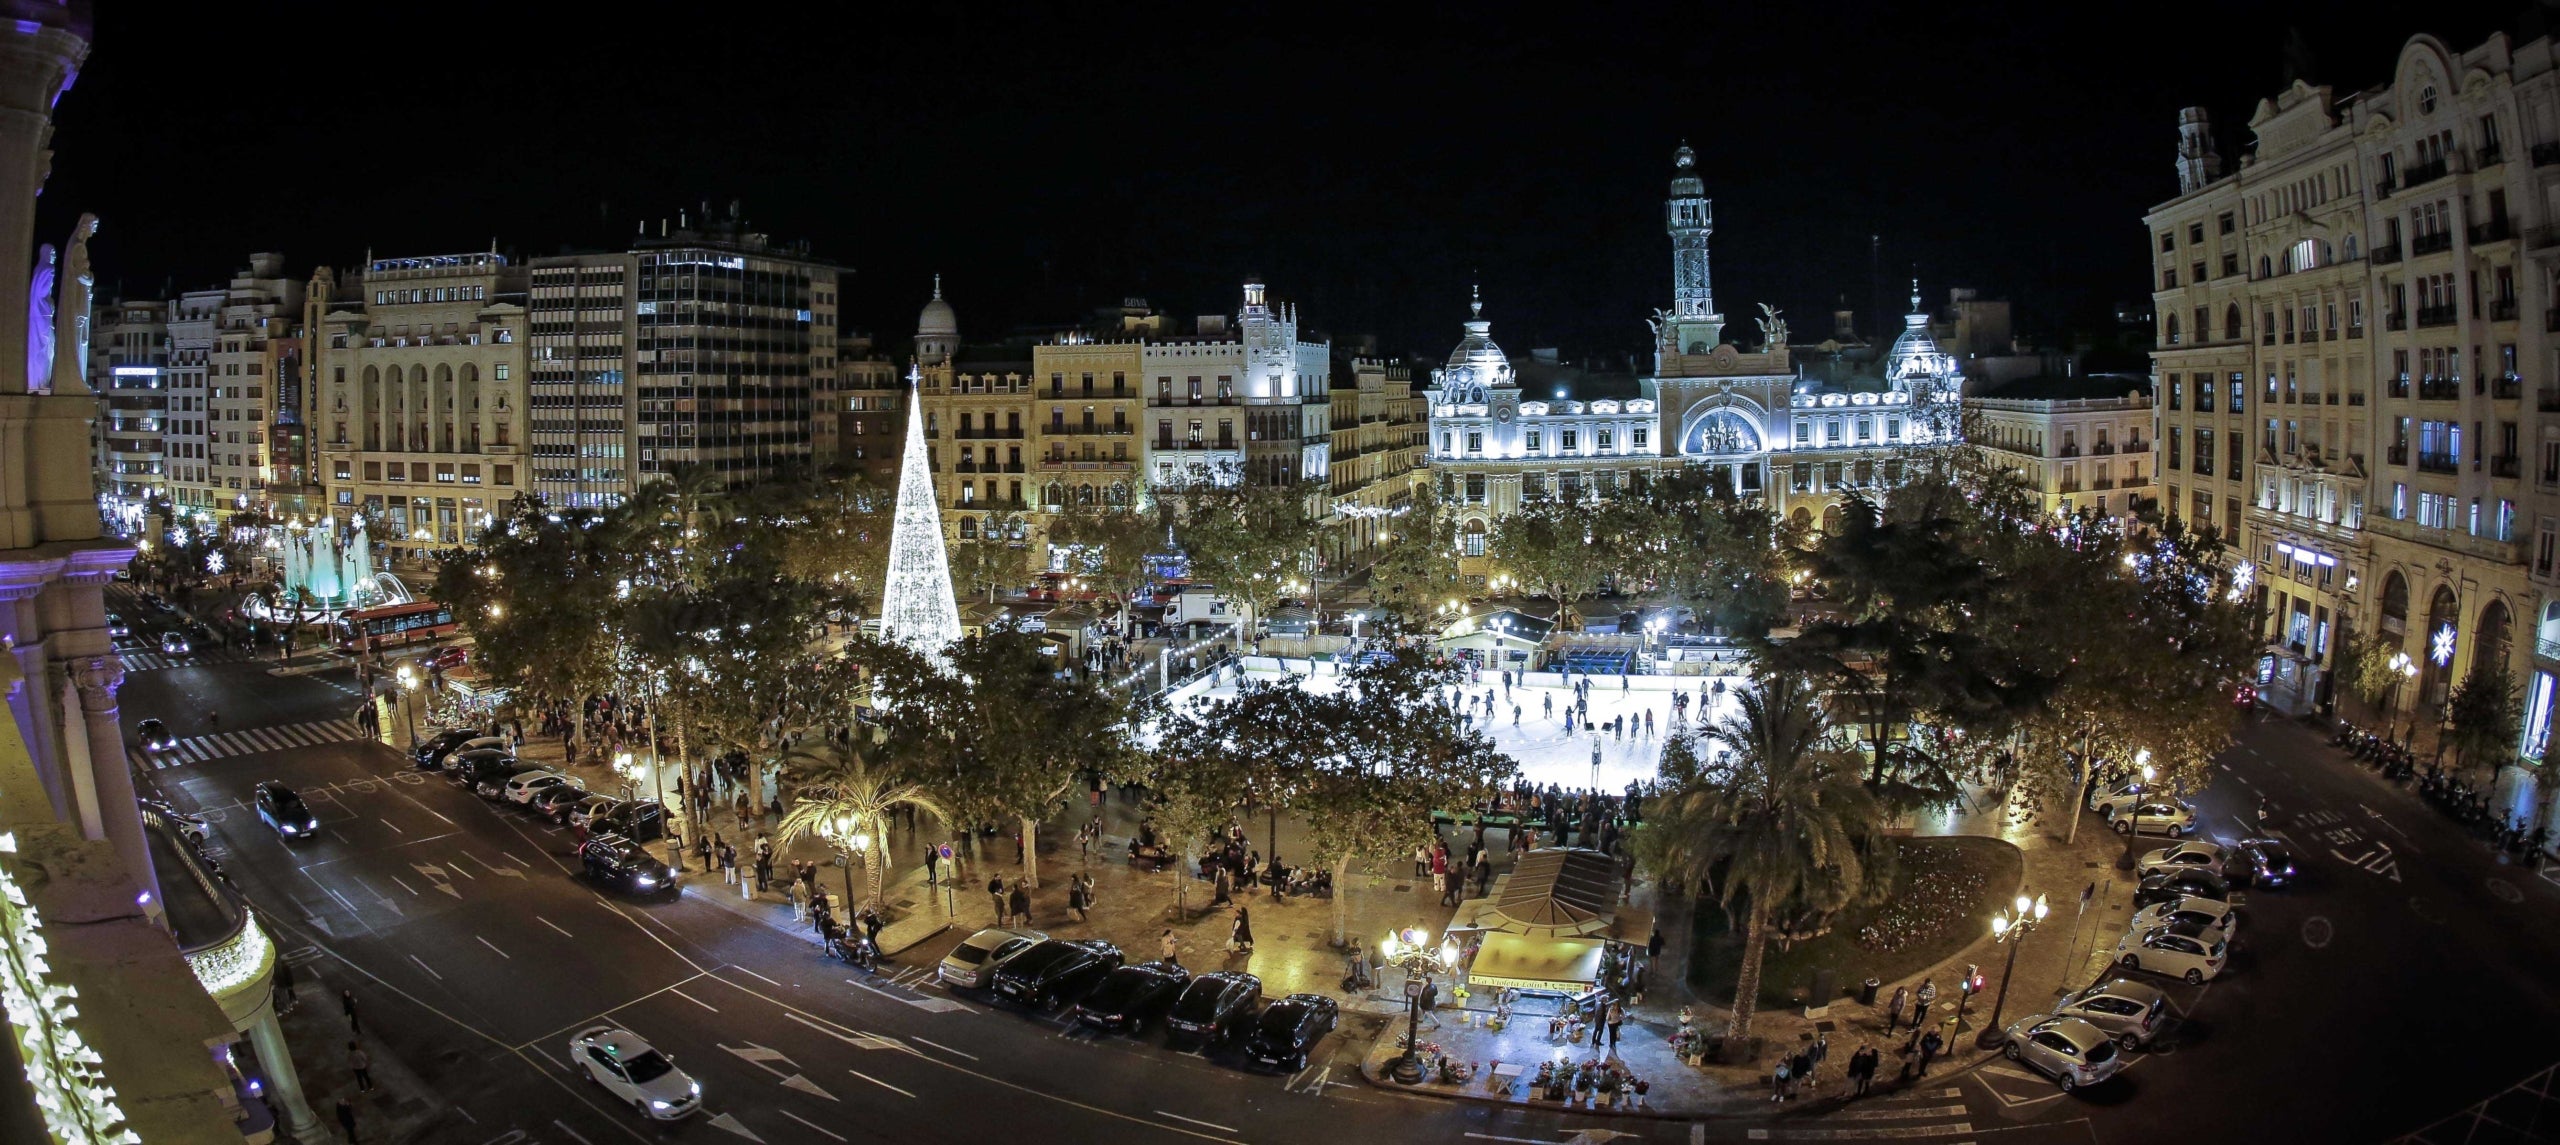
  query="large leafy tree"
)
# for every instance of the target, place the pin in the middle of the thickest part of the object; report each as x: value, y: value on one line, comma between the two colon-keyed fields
x: 990, y: 562
x: 1786, y: 825
x: 1418, y: 572
x: 540, y: 597
x: 1549, y: 547
x: 1109, y: 546
x: 2484, y: 718
x: 1719, y: 552
x: 1249, y: 540
x: 840, y: 796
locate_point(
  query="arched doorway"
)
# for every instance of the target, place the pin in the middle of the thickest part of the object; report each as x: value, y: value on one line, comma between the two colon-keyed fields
x: 1802, y: 519
x: 2395, y: 611
x: 1475, y: 539
x: 2489, y: 641
x: 1831, y: 519
x: 2443, y: 636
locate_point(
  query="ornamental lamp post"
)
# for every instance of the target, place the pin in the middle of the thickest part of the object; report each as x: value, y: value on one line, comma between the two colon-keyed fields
x: 1404, y: 949
x: 409, y: 701
x: 2142, y: 793
x: 2011, y: 930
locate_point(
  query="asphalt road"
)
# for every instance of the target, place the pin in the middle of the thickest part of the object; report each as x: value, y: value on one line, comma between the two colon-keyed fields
x: 2356, y: 1008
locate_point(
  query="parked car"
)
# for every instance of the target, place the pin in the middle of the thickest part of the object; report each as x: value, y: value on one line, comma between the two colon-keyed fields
x: 2154, y: 816
x: 1214, y: 1006
x: 554, y: 802
x: 282, y: 808
x: 437, y: 747
x: 619, y: 862
x: 643, y: 821
x: 2221, y: 916
x: 1288, y: 1031
x: 2168, y: 885
x: 192, y: 828
x: 975, y: 961
x: 1131, y: 995
x: 2188, y: 856
x: 446, y: 658
x: 2131, y: 1012
x: 2108, y: 794
x: 2070, y: 1051
x: 635, y: 1073
x: 485, y: 767
x: 2262, y: 863
x: 584, y: 812
x: 174, y: 643
x: 154, y: 735
x: 2180, y: 950
x: 495, y: 782
x: 1052, y: 971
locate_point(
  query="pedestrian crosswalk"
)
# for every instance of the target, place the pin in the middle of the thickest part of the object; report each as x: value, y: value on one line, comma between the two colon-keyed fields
x: 138, y: 660
x: 222, y: 745
x: 1912, y: 1114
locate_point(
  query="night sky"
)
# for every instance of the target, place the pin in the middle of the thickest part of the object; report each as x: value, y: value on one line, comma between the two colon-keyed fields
x: 1049, y: 161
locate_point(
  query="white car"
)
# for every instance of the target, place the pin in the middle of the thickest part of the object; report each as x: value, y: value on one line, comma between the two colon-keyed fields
x: 173, y: 644
x: 2221, y: 916
x: 2105, y: 797
x: 2179, y: 950
x: 633, y: 1072
x: 974, y: 962
x: 2187, y: 856
x: 2070, y: 1051
x: 521, y: 789
x: 2130, y: 1012
x: 2154, y: 816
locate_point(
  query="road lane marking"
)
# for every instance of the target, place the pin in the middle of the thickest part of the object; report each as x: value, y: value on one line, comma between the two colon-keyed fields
x: 554, y: 926
x: 422, y: 965
x: 756, y: 976
x: 342, y: 899
x: 805, y: 1121
x: 404, y: 886
x: 494, y: 946
x: 1207, y: 1124
x: 573, y: 1134
x: 943, y: 1048
x: 699, y: 1002
x: 512, y: 858
x: 1897, y: 1113
x: 393, y: 826
x: 895, y: 1089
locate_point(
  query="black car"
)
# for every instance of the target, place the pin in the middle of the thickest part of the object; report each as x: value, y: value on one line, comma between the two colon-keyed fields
x: 1131, y: 995
x: 154, y: 735
x: 554, y: 802
x: 619, y: 862
x: 432, y: 752
x: 1050, y: 972
x: 1214, y: 1006
x: 469, y: 768
x: 1290, y: 1028
x: 2167, y: 885
x: 282, y: 808
x: 2262, y: 863
x: 642, y: 821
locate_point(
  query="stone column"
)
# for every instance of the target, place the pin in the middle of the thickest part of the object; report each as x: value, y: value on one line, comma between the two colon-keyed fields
x: 98, y: 677
x: 283, y: 1081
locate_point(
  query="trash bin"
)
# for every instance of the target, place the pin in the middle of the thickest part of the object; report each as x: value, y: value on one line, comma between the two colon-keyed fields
x: 1867, y: 992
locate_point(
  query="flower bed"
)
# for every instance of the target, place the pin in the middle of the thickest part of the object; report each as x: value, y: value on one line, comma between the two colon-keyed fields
x: 1945, y: 892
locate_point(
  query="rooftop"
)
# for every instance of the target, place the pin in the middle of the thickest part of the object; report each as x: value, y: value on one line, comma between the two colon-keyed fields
x: 2087, y: 387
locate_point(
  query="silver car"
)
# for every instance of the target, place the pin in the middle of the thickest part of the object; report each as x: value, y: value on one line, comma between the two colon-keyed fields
x: 2070, y: 1051
x: 2130, y: 1012
x: 2154, y: 815
x: 634, y: 1073
x: 974, y: 962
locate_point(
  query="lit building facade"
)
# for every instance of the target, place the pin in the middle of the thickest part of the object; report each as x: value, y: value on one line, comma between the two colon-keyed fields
x: 1746, y: 415
x: 1374, y: 457
x: 128, y: 370
x: 2082, y: 444
x: 254, y: 335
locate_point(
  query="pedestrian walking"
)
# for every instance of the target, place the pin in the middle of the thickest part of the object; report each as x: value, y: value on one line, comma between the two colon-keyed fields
x: 1778, y: 1080
x: 1930, y: 1044
x: 995, y: 894
x: 1817, y: 1053
x: 361, y: 1064
x: 347, y: 1006
x: 1019, y: 903
x: 1893, y: 1009
x: 791, y: 894
x: 1169, y: 949
x: 1862, y: 1068
x: 1617, y: 1017
x: 347, y: 1120
x: 764, y: 872
x: 1240, y: 939
x: 1075, y: 897
x: 1225, y: 886
x: 1927, y: 997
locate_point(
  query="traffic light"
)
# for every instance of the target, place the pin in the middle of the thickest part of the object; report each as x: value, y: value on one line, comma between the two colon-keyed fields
x: 1972, y: 978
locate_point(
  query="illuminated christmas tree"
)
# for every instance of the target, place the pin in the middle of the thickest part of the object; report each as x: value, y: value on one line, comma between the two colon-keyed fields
x: 917, y: 608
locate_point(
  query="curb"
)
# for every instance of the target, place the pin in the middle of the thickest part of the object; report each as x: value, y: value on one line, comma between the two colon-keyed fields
x: 1371, y: 1071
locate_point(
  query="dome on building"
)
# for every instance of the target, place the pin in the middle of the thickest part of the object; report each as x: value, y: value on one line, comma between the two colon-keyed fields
x: 1915, y: 355
x: 1477, y: 364
x: 937, y: 319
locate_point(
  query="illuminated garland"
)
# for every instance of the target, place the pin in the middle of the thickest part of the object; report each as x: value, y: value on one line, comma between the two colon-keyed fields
x: 68, y: 1077
x: 234, y: 964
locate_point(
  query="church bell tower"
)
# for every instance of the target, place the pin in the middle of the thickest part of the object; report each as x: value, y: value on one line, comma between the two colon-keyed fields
x: 1692, y: 325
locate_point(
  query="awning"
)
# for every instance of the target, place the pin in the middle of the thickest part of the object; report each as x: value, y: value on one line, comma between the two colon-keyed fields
x: 1528, y: 963
x: 1567, y: 891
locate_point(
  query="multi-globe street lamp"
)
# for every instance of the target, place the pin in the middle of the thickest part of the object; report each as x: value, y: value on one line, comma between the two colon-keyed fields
x: 845, y: 831
x: 1405, y: 949
x: 2141, y: 794
x: 2010, y: 930
x: 409, y: 701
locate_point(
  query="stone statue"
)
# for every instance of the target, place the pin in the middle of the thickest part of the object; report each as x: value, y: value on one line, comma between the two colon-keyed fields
x: 71, y: 316
x: 1773, y: 329
x: 40, y: 324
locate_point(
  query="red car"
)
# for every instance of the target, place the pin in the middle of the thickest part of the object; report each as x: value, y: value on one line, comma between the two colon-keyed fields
x: 444, y: 658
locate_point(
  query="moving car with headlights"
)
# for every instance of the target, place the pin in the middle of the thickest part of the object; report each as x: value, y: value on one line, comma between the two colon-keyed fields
x: 2070, y: 1051
x: 619, y: 862
x: 1288, y: 1031
x: 1213, y: 1007
x: 284, y: 810
x: 634, y: 1073
x: 173, y: 643
x: 154, y: 735
x: 2175, y: 884
x: 116, y: 626
x: 2192, y: 855
x: 2152, y: 815
x: 2262, y: 863
x: 2180, y: 950
x: 1131, y: 995
x: 1053, y: 971
x: 975, y: 961
x: 192, y: 828
x: 2219, y: 915
x: 2130, y: 1012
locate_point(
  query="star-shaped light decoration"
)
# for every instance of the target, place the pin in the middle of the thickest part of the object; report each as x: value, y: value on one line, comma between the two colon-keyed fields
x: 2243, y: 575
x: 2440, y: 646
x: 213, y: 562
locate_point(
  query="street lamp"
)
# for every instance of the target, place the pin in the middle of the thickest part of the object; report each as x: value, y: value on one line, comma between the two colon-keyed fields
x: 2403, y: 669
x: 846, y: 833
x: 2133, y: 835
x: 409, y: 701
x: 1404, y: 949
x: 2010, y: 929
x: 624, y: 770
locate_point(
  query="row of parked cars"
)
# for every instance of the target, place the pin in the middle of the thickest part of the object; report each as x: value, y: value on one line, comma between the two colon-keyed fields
x: 1028, y: 969
x: 612, y: 853
x: 2183, y: 927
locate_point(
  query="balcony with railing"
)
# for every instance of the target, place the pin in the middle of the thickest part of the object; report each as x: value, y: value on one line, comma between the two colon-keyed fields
x: 2437, y: 316
x: 2546, y: 154
x: 2439, y: 463
x: 2397, y: 321
x: 2422, y: 173
x: 2067, y: 451
x: 2505, y: 466
x: 2506, y: 387
x: 2435, y: 389
x: 2396, y: 455
x: 2136, y: 445
x: 2102, y: 449
x: 2384, y: 254
x: 2489, y: 155
x: 2433, y: 242
x: 2383, y: 187
x: 2495, y: 230
x: 2398, y: 386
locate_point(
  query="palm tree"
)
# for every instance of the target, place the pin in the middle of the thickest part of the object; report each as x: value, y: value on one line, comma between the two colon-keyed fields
x: 1785, y: 821
x: 841, y: 796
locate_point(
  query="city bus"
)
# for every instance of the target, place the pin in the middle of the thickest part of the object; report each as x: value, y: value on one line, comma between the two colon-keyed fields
x: 392, y: 625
